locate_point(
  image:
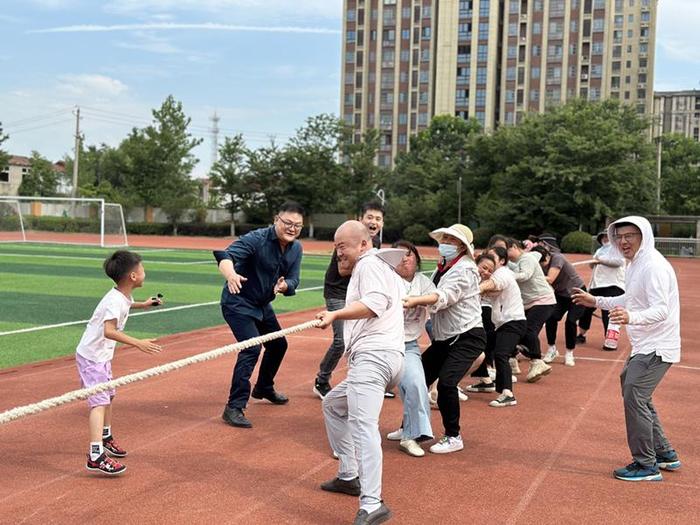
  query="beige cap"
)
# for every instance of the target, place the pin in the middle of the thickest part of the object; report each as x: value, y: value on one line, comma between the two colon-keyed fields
x: 459, y: 231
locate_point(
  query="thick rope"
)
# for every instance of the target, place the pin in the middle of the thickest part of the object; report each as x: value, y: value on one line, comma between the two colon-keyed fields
x: 46, y: 404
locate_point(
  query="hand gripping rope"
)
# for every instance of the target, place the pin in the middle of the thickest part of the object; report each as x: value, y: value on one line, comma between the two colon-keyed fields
x: 35, y: 408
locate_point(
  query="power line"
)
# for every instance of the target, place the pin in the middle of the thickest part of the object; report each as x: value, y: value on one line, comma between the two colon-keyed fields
x: 36, y: 118
x: 40, y: 126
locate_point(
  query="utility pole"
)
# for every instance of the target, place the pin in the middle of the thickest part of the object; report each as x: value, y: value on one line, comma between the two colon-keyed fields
x: 76, y: 158
x: 215, y: 138
x: 658, y: 175
x: 382, y: 197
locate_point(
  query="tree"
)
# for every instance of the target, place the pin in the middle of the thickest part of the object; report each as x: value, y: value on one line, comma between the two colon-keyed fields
x: 266, y: 182
x: 423, y: 186
x: 41, y: 179
x: 360, y: 174
x: 228, y: 176
x: 567, y: 169
x: 680, y: 175
x: 4, y: 157
x: 159, y: 159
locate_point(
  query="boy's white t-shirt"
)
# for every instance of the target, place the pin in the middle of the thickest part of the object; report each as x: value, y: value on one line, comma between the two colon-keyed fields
x: 94, y: 345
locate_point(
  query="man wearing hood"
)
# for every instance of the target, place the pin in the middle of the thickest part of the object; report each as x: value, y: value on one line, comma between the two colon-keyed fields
x: 374, y: 343
x: 650, y: 308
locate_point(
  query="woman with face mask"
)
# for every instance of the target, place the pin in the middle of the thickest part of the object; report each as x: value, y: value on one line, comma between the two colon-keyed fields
x: 458, y: 332
x: 416, y: 426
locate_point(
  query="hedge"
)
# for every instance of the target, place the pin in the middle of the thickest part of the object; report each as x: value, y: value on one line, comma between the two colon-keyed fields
x: 577, y: 242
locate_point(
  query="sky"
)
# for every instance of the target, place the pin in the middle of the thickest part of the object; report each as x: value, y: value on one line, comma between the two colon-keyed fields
x: 263, y: 66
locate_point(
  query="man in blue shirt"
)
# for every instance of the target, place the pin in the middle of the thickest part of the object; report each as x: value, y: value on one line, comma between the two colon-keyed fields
x: 257, y: 267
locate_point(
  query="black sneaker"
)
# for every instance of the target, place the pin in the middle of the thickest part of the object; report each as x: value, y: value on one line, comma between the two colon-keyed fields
x: 321, y: 389
x: 668, y: 460
x: 236, y: 418
x: 380, y: 515
x: 350, y: 487
x: 482, y: 387
x: 580, y: 339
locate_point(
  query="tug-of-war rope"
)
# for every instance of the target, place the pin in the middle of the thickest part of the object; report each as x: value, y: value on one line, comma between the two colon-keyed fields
x: 46, y: 404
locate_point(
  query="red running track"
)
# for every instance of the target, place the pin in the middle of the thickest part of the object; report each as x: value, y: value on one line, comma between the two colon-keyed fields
x: 548, y: 460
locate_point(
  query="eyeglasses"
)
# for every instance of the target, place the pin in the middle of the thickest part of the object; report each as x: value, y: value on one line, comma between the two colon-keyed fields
x: 291, y: 225
x: 627, y: 237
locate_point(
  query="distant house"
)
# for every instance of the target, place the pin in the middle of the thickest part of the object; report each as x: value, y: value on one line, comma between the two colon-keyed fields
x: 11, y: 175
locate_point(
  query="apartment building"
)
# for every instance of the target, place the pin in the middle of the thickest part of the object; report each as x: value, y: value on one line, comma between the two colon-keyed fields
x: 406, y: 61
x: 677, y: 112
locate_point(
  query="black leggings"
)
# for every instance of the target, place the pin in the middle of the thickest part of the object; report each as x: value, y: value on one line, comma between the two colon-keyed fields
x: 573, y: 312
x: 536, y: 317
x: 506, y: 337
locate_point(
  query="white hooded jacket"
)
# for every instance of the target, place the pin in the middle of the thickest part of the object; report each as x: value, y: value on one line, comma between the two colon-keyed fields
x: 651, y: 297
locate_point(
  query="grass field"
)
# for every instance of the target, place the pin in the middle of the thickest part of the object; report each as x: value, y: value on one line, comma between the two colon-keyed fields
x: 50, y: 284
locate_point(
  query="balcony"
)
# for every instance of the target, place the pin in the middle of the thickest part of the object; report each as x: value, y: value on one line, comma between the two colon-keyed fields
x: 387, y: 63
x: 523, y: 18
x: 584, y: 77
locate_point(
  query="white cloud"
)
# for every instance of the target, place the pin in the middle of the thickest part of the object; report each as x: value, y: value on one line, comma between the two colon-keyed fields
x: 169, y: 26
x: 98, y: 86
x: 150, y: 43
x: 677, y: 29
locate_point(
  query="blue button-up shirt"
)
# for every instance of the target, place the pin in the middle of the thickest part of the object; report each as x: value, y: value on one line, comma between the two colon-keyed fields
x: 258, y: 256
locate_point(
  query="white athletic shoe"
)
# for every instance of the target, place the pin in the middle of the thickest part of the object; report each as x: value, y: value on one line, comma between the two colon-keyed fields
x: 412, y: 448
x: 514, y: 365
x: 538, y: 368
x: 447, y: 444
x: 396, y: 435
x: 504, y: 400
x: 551, y: 354
x: 514, y: 379
x: 569, y: 359
x: 461, y: 394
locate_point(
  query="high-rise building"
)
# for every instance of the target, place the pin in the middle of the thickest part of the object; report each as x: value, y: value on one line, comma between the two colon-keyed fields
x: 406, y: 61
x: 677, y: 112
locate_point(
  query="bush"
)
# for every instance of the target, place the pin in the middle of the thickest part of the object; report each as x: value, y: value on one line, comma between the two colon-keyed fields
x: 61, y: 224
x: 213, y: 229
x: 417, y: 234
x: 577, y: 242
x: 149, y: 228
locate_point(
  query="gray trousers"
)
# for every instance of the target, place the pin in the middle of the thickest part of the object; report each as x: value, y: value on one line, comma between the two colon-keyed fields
x: 335, y: 351
x: 645, y: 435
x: 351, y: 411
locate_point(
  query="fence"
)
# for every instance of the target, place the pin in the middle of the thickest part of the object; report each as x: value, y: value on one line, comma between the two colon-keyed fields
x: 677, y: 247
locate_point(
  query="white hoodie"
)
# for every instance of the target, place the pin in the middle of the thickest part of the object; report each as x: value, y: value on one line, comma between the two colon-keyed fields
x: 651, y: 297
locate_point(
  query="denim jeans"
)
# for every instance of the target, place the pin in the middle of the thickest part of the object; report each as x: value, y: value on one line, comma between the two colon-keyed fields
x: 337, y: 348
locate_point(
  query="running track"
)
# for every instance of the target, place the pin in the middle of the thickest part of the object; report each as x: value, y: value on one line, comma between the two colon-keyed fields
x: 548, y: 460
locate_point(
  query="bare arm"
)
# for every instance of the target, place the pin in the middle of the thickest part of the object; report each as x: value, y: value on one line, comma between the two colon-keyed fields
x: 355, y: 310
x: 420, y: 300
x: 552, y: 275
x: 145, y: 345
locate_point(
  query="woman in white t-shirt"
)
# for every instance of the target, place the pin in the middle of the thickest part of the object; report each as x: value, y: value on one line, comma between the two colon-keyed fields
x: 416, y: 425
x: 508, y: 316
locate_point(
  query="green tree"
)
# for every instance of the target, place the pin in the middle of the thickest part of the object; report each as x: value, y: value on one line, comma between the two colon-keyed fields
x: 423, y: 187
x: 680, y: 175
x: 159, y: 160
x: 229, y: 177
x: 360, y: 174
x: 266, y: 182
x: 4, y: 157
x: 41, y: 179
x: 566, y: 169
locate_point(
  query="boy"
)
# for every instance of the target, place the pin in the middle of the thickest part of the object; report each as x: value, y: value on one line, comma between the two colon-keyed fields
x: 96, y: 349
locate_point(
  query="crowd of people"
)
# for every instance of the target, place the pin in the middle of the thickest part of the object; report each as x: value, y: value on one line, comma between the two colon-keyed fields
x: 482, y: 314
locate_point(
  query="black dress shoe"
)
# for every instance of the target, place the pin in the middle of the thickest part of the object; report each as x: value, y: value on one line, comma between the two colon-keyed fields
x: 272, y: 397
x: 351, y: 487
x: 236, y: 418
x: 380, y: 515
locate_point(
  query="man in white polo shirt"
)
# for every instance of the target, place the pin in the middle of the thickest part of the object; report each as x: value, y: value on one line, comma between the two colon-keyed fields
x: 650, y: 308
x: 373, y: 334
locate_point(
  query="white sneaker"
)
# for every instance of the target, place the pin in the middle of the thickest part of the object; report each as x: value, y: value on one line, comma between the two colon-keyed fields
x: 514, y: 365
x: 396, y: 435
x: 447, y: 444
x: 538, y: 368
x: 513, y: 379
x: 551, y: 354
x: 461, y: 394
x: 504, y: 400
x: 412, y: 448
x: 569, y: 359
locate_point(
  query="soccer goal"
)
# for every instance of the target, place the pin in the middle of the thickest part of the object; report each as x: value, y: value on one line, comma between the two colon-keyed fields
x: 62, y: 220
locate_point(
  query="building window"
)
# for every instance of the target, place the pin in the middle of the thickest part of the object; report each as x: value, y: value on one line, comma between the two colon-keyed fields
x: 510, y: 95
x: 597, y: 48
x: 351, y: 15
x: 426, y: 11
x: 598, y: 25
x: 512, y: 51
x: 402, y: 139
x: 403, y: 118
x: 405, y: 34
x: 484, y: 8
x: 482, y: 53
x: 481, y: 75
x: 510, y: 73
x: 425, y: 55
x: 512, y: 29
x: 536, y: 50
x: 422, y: 119
x: 556, y: 29
x: 534, y: 96
x: 535, y: 72
x: 424, y: 76
x: 536, y: 28
x: 350, y: 37
x: 538, y: 6
x: 464, y: 30
x: 483, y: 31
x: 426, y: 33
x: 574, y: 26
x: 480, y: 98
x: 514, y: 6
x: 596, y: 70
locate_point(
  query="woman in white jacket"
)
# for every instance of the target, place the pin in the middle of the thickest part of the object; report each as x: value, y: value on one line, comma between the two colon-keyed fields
x: 459, y: 336
x: 650, y: 308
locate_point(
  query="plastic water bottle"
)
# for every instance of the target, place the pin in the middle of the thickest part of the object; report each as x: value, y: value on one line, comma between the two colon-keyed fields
x: 612, y: 336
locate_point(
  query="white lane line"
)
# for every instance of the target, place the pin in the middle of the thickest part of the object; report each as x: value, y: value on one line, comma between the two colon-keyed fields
x: 101, y: 259
x: 149, y: 312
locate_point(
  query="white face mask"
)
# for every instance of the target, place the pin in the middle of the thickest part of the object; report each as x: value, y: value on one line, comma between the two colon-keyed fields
x: 448, y: 251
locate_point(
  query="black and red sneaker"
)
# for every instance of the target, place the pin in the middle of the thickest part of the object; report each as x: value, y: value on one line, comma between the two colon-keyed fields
x: 105, y: 465
x: 112, y: 448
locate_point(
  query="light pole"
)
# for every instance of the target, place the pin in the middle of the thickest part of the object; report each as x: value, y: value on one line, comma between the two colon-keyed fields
x: 459, y: 200
x: 380, y: 193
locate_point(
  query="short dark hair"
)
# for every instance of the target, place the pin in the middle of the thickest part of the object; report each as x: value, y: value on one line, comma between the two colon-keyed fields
x: 410, y: 247
x: 485, y: 257
x: 512, y: 242
x: 120, y: 264
x: 623, y: 224
x: 495, y: 238
x: 501, y: 252
x: 291, y: 207
x: 372, y: 205
x: 542, y: 250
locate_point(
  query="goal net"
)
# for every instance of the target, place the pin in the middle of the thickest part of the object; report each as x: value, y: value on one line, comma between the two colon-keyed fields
x: 62, y: 220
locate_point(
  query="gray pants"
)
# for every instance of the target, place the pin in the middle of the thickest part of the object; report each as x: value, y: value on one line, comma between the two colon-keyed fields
x: 639, y: 379
x: 335, y: 351
x: 351, y: 411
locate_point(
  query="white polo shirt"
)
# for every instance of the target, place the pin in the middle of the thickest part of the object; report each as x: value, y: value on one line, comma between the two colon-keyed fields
x: 507, y: 303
